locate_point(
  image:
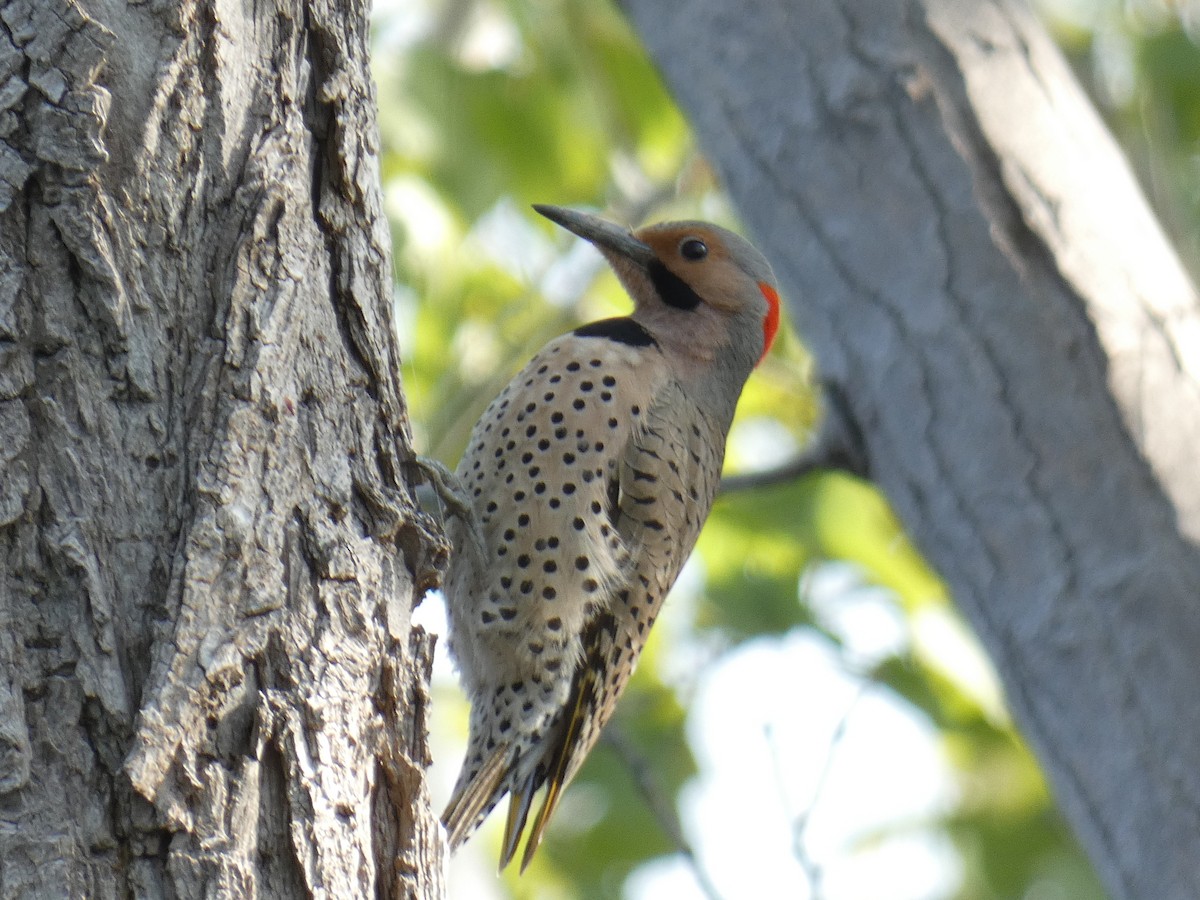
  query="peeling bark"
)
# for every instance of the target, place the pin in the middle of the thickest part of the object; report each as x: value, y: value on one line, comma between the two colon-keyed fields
x: 970, y: 259
x: 209, y: 681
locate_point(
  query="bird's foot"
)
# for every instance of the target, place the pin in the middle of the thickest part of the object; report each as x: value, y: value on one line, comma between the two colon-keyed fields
x: 451, y: 493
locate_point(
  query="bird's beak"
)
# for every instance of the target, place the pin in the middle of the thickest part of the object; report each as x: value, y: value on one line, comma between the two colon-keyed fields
x: 604, y: 234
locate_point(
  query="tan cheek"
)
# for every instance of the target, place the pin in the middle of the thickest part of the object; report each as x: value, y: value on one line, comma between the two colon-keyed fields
x: 719, y: 286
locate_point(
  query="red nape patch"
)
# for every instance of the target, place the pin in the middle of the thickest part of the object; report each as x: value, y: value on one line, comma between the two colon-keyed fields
x: 771, y: 319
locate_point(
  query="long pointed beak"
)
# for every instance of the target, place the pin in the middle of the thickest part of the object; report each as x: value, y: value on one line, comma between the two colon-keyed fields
x: 604, y: 234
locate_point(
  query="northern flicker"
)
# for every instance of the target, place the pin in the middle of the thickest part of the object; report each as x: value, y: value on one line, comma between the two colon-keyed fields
x: 588, y: 479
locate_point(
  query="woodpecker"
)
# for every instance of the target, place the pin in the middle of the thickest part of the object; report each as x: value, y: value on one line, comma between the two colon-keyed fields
x: 586, y: 483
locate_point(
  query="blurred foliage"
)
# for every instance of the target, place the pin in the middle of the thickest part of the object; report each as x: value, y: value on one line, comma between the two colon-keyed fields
x: 488, y: 106
x: 1140, y: 60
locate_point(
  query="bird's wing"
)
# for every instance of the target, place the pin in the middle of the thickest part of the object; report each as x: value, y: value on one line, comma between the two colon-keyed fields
x: 662, y: 493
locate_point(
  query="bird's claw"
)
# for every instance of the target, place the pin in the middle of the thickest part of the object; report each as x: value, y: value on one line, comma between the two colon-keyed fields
x: 451, y: 493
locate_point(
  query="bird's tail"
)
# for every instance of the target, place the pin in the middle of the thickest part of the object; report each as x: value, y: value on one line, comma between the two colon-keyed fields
x: 583, y: 717
x: 566, y: 745
x: 476, y: 795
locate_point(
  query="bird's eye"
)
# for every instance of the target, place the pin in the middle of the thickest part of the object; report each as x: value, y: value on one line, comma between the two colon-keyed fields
x: 693, y: 249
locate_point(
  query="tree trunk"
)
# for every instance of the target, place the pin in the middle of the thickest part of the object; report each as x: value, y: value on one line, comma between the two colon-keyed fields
x: 971, y: 261
x: 209, y: 683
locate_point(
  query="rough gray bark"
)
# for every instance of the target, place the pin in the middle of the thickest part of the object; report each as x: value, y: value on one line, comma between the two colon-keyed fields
x: 209, y: 684
x: 967, y: 254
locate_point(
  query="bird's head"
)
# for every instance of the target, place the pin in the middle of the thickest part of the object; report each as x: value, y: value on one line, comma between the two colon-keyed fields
x: 699, y: 289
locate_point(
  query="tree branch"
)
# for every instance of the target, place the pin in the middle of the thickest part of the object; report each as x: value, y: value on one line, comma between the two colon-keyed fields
x: 838, y: 444
x: 659, y: 803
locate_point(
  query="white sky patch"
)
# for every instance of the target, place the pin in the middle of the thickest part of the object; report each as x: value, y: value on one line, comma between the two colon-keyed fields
x: 1114, y: 55
x: 780, y: 732
x: 405, y: 306
x: 431, y: 615
x: 486, y: 40
x: 401, y: 24
x: 489, y: 39
x: 477, y: 349
x: 428, y: 226
x: 507, y: 238
x: 1080, y: 13
x: 927, y: 858
x: 683, y: 650
x: 864, y: 616
x: 942, y: 638
x: 573, y: 272
x: 760, y: 442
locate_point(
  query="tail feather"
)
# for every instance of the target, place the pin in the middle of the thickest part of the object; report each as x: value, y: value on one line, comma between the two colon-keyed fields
x: 580, y: 728
x: 568, y: 743
x: 519, y: 801
x: 557, y: 780
x: 475, y: 797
